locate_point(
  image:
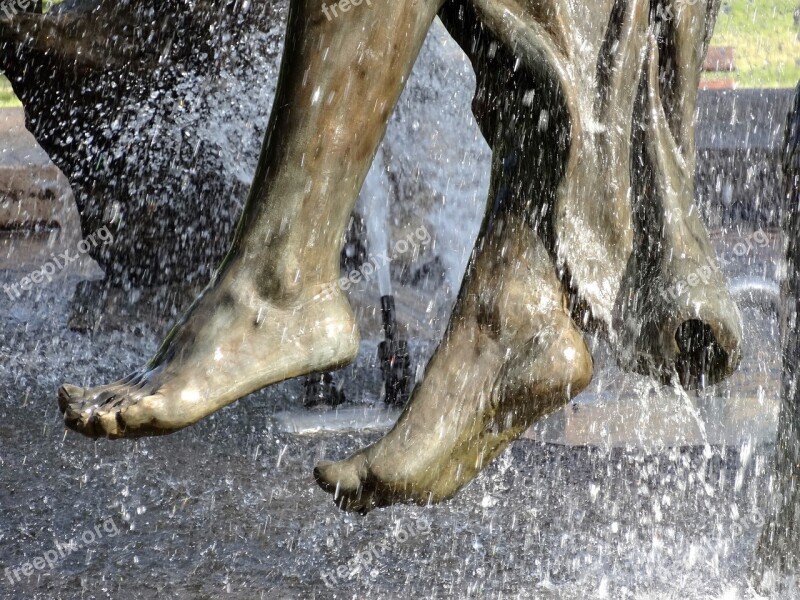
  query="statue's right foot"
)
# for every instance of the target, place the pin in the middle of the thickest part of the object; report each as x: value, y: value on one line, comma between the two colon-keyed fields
x: 231, y: 342
x: 477, y: 398
x: 511, y: 356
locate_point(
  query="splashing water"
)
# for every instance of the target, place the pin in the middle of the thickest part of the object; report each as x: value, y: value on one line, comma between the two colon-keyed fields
x: 578, y: 512
x: 376, y: 193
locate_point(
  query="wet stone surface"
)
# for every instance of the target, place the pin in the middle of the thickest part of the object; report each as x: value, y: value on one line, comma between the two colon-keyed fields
x: 228, y: 508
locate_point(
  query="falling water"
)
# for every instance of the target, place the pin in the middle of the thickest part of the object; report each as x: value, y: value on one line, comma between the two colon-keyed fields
x: 632, y: 492
x: 375, y: 194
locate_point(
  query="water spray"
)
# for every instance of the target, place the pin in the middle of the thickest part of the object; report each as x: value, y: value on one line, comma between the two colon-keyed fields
x: 321, y: 390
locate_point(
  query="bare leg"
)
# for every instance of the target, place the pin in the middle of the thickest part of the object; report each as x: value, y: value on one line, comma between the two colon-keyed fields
x: 266, y: 316
x: 510, y: 356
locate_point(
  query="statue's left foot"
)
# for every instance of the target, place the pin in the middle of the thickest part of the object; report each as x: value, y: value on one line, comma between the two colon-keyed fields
x: 231, y: 343
x: 512, y: 355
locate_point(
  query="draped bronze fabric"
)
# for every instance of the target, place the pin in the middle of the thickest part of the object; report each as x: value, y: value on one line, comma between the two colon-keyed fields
x: 595, y: 102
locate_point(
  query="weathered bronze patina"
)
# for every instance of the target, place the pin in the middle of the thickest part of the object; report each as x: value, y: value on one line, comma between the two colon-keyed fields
x: 589, y: 110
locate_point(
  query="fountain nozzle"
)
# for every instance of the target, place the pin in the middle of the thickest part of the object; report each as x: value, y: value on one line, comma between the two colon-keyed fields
x: 394, y: 358
x: 321, y: 390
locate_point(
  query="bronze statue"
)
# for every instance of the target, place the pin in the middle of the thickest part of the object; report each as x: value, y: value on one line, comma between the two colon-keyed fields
x: 588, y: 108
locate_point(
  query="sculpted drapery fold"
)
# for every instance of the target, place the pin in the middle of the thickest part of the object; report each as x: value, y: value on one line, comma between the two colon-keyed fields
x: 624, y: 228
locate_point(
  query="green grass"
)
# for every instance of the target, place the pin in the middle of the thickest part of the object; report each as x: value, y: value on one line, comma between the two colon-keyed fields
x: 766, y: 40
x: 7, y: 97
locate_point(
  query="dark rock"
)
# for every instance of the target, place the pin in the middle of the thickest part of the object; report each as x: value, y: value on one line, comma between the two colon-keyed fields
x: 739, y: 143
x: 116, y: 93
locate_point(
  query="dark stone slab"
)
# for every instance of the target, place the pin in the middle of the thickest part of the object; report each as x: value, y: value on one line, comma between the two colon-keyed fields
x: 739, y: 140
x: 742, y: 119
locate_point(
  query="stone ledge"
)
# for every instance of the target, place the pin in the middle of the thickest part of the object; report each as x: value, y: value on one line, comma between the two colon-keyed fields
x: 38, y: 215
